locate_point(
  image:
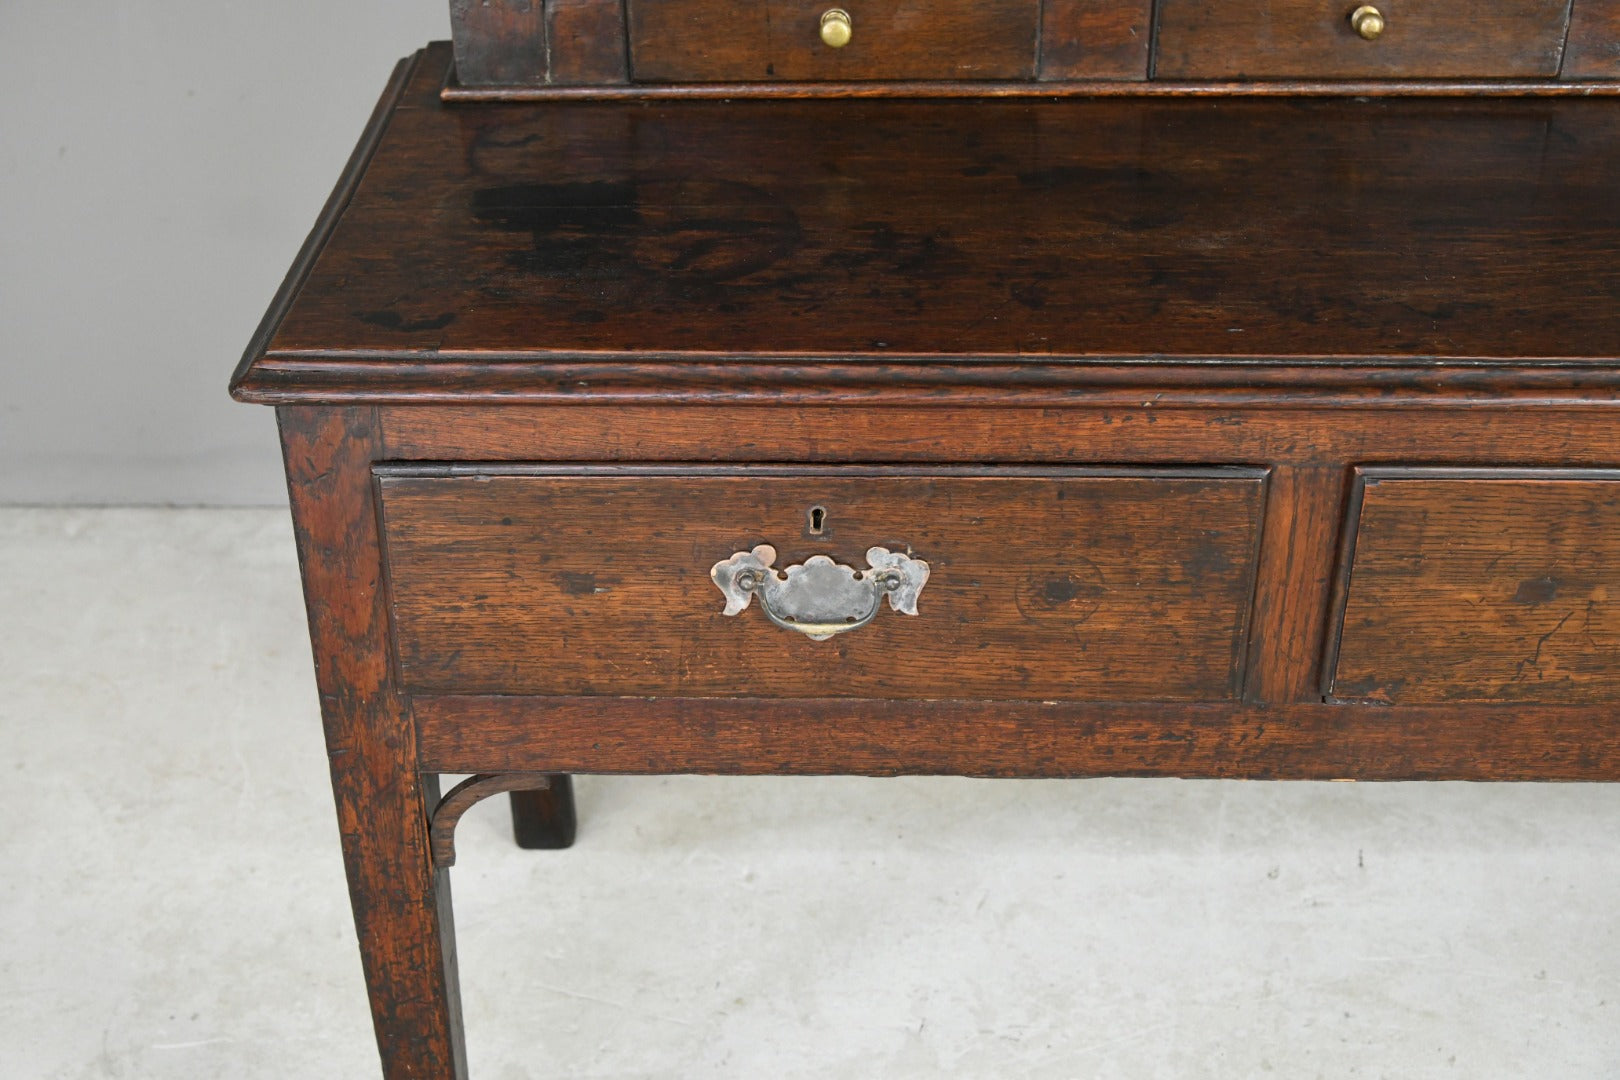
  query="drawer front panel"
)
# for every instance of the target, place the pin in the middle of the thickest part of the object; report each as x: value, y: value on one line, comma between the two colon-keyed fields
x: 1314, y: 39
x: 1466, y: 586
x: 748, y: 41
x: 1042, y: 584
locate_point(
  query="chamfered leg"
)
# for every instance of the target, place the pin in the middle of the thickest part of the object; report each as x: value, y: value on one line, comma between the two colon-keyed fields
x: 401, y: 900
x: 544, y: 820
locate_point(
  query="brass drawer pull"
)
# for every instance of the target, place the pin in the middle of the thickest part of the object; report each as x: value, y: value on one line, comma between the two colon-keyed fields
x: 820, y: 597
x: 836, y: 28
x: 1367, y: 21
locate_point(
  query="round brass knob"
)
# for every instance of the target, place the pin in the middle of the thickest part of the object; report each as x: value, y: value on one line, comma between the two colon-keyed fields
x: 1367, y: 21
x: 836, y: 29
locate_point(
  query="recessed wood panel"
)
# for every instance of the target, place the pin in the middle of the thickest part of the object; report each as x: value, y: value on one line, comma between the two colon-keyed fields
x: 1313, y: 39
x: 1062, y: 584
x: 586, y: 42
x: 1095, y: 39
x: 1467, y: 586
x: 749, y: 41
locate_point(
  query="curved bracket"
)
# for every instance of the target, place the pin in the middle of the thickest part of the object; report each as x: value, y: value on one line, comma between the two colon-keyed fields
x: 463, y: 797
x: 819, y: 597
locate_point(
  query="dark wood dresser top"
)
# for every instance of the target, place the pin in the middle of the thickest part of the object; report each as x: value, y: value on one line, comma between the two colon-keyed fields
x: 478, y: 247
x: 743, y: 387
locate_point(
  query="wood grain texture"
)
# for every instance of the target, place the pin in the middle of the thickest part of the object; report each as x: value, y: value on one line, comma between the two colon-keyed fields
x: 499, y: 42
x: 1058, y: 584
x: 1011, y: 738
x: 1095, y: 39
x: 486, y: 238
x: 750, y: 41
x: 1311, y: 449
x: 1466, y: 586
x: 1423, y: 39
x: 401, y: 902
x: 1593, y: 48
x: 463, y: 797
x: 1304, y: 507
x: 940, y: 381
x: 1167, y: 333
x: 327, y: 219
x: 1266, y: 432
x: 1046, y: 90
x: 587, y: 40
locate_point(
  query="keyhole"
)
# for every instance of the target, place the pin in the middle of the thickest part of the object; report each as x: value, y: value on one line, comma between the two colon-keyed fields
x: 818, y: 520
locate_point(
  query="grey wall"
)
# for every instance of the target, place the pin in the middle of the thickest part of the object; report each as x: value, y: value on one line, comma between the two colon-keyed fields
x: 160, y: 164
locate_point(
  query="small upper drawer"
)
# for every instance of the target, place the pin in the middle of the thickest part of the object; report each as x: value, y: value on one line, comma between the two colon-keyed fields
x: 1469, y: 585
x: 750, y: 41
x: 1077, y: 584
x: 1315, y: 39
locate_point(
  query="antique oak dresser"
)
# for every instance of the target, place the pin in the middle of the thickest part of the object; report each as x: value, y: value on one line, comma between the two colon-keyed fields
x: 989, y: 387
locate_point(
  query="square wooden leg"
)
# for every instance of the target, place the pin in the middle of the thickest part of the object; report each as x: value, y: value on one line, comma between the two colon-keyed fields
x: 544, y: 820
x: 401, y: 900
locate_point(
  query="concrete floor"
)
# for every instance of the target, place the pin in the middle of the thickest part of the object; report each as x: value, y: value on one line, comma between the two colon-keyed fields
x: 174, y: 904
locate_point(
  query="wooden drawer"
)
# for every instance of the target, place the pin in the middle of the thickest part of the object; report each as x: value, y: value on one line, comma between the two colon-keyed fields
x: 749, y: 41
x: 1467, y: 585
x: 1313, y: 39
x: 1043, y: 584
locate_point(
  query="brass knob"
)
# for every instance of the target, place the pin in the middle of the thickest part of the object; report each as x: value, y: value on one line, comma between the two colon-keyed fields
x: 1367, y: 21
x: 835, y: 28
